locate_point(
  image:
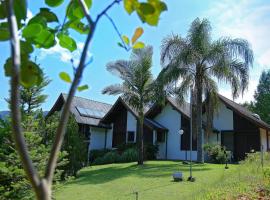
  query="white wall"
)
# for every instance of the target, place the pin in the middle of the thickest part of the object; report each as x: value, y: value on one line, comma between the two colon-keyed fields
x: 223, y: 118
x: 171, y: 119
x: 109, y: 137
x: 263, y: 139
x: 97, y: 138
x: 131, y: 124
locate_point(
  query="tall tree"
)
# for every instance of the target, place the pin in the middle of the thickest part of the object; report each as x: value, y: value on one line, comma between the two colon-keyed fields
x: 262, y: 97
x: 137, y: 86
x: 196, y: 60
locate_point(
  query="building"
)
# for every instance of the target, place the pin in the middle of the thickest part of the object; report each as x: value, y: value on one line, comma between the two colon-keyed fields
x: 107, y: 126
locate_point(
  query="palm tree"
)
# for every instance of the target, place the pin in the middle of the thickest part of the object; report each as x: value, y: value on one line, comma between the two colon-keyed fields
x: 198, y: 61
x: 137, y: 86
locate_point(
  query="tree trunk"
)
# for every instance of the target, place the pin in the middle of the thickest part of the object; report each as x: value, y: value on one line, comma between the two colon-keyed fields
x: 209, y: 118
x: 200, y: 138
x: 140, y: 140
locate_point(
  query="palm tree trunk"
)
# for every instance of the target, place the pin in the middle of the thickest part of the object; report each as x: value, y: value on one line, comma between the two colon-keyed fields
x: 140, y: 140
x: 200, y: 153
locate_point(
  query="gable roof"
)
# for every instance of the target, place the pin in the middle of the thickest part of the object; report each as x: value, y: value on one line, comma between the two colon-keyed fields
x: 241, y: 110
x: 120, y: 102
x: 80, y: 102
x: 183, y: 108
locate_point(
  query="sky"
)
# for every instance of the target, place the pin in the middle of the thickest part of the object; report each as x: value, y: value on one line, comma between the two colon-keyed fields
x: 248, y: 19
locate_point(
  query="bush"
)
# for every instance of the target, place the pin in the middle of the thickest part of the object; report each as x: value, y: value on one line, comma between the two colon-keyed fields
x: 97, y: 153
x: 216, y: 153
x: 129, y: 155
x: 109, y: 157
x: 150, y: 151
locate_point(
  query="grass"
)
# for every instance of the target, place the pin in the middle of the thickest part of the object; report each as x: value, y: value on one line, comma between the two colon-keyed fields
x: 153, y: 181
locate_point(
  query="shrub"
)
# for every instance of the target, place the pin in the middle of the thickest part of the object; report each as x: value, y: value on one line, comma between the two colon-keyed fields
x: 150, y: 151
x: 129, y: 155
x: 109, y: 157
x: 97, y: 153
x: 216, y: 153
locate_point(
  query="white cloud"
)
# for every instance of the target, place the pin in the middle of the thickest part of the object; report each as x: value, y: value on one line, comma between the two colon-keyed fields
x: 64, y: 54
x: 248, y: 19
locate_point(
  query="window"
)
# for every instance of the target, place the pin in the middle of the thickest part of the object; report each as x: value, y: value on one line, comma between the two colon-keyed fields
x: 161, y: 137
x: 130, y: 136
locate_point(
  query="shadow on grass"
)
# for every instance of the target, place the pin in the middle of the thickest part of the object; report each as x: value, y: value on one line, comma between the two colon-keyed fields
x: 148, y: 170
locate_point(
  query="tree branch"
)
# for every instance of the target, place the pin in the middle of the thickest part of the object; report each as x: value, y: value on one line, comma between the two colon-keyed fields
x: 117, y: 31
x: 60, y: 132
x: 19, y: 139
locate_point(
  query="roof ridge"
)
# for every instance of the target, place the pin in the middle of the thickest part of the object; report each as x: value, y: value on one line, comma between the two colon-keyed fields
x: 89, y: 99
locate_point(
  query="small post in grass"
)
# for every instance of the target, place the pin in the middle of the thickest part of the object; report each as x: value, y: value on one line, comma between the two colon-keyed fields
x: 226, y: 159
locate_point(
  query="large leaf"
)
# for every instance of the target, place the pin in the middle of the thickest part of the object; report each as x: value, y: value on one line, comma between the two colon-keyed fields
x: 4, y: 31
x: 54, y: 3
x: 45, y: 39
x: 75, y: 11
x: 147, y: 8
x: 138, y: 45
x: 67, y: 42
x: 65, y: 77
x: 82, y: 87
x: 26, y: 47
x: 151, y: 18
x: 48, y: 15
x: 30, y: 74
x: 130, y: 5
x: 32, y: 30
x: 7, y: 67
x: 38, y: 19
x: 78, y: 26
x: 138, y: 32
x: 20, y: 9
x: 3, y: 10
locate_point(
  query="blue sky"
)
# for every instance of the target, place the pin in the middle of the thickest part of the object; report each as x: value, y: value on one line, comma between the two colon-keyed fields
x: 247, y: 19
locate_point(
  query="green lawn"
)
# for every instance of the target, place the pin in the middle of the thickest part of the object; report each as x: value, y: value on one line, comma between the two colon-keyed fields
x: 153, y: 181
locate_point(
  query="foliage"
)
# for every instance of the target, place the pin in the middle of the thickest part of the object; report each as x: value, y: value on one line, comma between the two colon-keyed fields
x: 197, y: 61
x: 151, y: 151
x: 217, y: 153
x: 129, y: 155
x: 109, y: 157
x: 74, y: 144
x: 14, y: 184
x: 138, y: 88
x: 96, y: 153
x: 262, y: 97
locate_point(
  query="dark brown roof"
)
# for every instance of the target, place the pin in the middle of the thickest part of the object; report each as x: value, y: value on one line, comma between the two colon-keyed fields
x: 120, y: 102
x: 244, y: 112
x: 79, y: 102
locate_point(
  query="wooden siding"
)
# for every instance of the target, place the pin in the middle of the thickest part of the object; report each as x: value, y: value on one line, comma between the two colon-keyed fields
x: 185, y: 138
x: 246, y: 136
x: 119, y: 127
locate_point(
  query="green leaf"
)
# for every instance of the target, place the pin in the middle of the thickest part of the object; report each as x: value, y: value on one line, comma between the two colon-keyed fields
x: 30, y: 74
x: 20, y: 9
x: 45, y: 39
x: 151, y: 18
x: 7, y: 67
x: 138, y: 32
x: 48, y: 15
x: 38, y: 19
x: 54, y: 3
x: 3, y: 10
x: 147, y: 8
x: 130, y: 5
x: 26, y: 47
x: 125, y: 39
x: 120, y: 44
x: 4, y: 31
x: 67, y: 42
x: 32, y: 30
x: 74, y: 9
x: 138, y: 45
x: 65, y: 77
x: 83, y: 87
x: 78, y: 26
